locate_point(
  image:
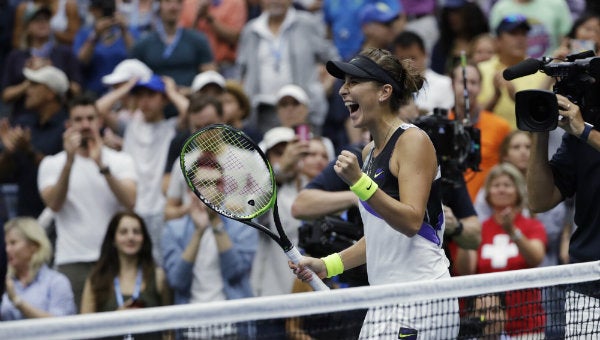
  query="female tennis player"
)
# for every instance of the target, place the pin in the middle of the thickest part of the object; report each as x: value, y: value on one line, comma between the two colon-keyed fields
x: 398, y: 188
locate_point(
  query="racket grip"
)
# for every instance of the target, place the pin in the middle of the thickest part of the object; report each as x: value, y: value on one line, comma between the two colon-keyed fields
x: 316, y: 283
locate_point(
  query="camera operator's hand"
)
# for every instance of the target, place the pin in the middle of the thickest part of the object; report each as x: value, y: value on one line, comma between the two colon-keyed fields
x: 572, y: 121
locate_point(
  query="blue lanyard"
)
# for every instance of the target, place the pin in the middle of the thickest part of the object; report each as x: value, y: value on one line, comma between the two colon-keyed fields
x: 44, y: 51
x: 169, y: 48
x: 136, y: 290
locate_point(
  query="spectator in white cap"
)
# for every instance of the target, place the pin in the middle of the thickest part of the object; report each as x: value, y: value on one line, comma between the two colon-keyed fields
x: 54, y: 79
x: 283, y: 150
x: 208, y: 82
x: 147, y: 139
x: 126, y: 70
x: 292, y: 106
x: 117, y: 107
x: 39, y: 49
x: 303, y: 161
x: 277, y: 144
x: 23, y: 148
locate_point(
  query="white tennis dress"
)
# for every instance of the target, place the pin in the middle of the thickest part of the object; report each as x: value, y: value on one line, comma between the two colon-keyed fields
x: 393, y: 257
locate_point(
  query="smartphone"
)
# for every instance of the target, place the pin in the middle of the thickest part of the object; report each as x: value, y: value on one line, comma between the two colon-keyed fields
x: 580, y: 45
x: 302, y: 132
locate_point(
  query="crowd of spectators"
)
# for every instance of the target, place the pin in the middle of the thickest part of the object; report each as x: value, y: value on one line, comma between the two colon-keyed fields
x: 98, y: 97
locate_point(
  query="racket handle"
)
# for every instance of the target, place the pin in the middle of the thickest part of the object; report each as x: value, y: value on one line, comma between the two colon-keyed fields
x: 316, y: 283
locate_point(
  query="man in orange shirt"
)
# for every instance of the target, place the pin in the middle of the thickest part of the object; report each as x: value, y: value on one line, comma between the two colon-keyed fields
x: 221, y: 21
x: 493, y: 128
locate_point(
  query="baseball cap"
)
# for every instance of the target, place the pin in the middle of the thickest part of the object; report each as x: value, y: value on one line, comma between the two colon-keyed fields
x: 155, y: 83
x: 31, y: 12
x: 55, y: 79
x: 126, y: 70
x: 275, y: 136
x: 378, y: 12
x: 512, y: 22
x: 293, y: 91
x: 207, y: 77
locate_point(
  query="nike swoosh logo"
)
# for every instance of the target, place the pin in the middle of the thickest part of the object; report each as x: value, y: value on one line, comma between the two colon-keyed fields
x: 402, y: 336
x: 378, y: 174
x: 370, y: 185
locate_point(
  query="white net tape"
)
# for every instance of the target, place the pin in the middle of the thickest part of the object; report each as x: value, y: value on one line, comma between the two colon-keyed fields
x: 183, y: 316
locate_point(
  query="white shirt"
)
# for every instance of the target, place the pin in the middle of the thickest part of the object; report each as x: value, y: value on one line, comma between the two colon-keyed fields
x: 271, y: 274
x: 90, y: 204
x: 148, y: 144
x: 274, y: 53
x: 207, y: 282
x: 437, y: 92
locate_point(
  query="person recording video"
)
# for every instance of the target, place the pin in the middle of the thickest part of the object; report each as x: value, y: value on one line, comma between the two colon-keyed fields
x: 571, y: 171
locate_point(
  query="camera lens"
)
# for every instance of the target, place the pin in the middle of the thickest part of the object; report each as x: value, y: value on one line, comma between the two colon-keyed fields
x: 539, y: 111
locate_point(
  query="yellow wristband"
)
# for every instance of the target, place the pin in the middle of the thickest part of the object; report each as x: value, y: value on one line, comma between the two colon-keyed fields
x: 334, y: 264
x: 364, y: 188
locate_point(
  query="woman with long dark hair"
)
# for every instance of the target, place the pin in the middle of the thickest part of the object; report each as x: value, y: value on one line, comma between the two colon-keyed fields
x: 125, y: 276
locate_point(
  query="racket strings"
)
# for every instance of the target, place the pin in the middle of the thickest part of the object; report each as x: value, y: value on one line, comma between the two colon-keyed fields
x: 228, y: 173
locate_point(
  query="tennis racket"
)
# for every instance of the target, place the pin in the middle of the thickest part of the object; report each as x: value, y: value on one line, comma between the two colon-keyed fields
x: 232, y: 176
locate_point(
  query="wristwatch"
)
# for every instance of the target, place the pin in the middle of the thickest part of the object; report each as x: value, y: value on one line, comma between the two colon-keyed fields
x: 218, y: 229
x: 458, y: 230
x: 586, y: 132
x: 105, y: 170
x: 517, y: 235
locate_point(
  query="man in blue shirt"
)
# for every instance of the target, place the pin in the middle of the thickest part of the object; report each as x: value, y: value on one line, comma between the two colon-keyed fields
x: 174, y: 51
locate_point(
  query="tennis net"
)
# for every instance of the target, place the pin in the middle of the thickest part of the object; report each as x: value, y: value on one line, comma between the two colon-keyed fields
x: 552, y: 303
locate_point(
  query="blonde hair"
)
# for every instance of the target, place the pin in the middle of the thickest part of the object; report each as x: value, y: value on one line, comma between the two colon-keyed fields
x: 31, y: 231
x: 515, y: 175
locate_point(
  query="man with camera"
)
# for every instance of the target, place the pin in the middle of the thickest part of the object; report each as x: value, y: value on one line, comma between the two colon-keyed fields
x: 572, y: 170
x: 102, y: 45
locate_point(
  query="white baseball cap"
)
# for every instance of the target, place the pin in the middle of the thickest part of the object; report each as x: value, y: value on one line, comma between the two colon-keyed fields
x: 126, y: 70
x: 207, y: 77
x: 275, y: 136
x: 55, y: 79
x: 293, y: 91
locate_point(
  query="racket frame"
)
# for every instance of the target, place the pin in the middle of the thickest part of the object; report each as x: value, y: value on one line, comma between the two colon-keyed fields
x: 281, y: 239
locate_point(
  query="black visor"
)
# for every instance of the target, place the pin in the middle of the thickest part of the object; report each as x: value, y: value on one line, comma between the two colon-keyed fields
x: 361, y: 67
